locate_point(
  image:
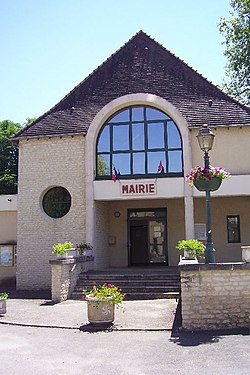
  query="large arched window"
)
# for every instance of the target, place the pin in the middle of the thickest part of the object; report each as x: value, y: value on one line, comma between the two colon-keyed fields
x: 139, y: 142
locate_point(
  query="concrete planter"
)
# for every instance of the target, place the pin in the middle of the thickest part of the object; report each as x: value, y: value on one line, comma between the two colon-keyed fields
x: 100, y: 313
x: 3, y: 305
x: 245, y: 253
x: 70, y: 253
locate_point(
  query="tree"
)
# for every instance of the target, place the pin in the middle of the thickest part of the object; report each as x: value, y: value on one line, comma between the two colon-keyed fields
x: 8, y: 157
x: 237, y: 50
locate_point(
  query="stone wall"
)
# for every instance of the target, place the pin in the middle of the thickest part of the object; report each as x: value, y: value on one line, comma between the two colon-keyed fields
x: 215, y: 296
x: 45, y: 163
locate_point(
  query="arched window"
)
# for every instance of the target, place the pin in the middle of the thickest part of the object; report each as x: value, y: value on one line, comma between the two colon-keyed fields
x: 139, y: 142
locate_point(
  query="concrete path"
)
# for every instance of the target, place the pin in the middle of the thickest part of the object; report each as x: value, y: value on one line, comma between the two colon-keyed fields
x: 132, y: 315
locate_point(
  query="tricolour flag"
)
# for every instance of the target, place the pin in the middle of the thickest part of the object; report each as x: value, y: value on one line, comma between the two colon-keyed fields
x: 160, y: 168
x: 114, y: 174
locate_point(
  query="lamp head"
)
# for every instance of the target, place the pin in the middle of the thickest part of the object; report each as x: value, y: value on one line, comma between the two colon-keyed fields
x: 205, y: 138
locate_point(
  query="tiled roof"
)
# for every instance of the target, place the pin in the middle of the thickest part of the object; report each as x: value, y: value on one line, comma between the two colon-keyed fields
x: 141, y: 66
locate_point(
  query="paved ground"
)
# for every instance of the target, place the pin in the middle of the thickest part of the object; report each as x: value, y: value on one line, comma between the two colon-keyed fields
x: 37, y: 337
x: 133, y: 315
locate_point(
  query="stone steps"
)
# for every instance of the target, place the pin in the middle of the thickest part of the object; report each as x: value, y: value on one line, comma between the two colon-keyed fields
x: 149, y: 284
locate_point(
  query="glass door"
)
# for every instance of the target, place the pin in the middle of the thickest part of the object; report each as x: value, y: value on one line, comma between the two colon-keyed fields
x: 147, y: 236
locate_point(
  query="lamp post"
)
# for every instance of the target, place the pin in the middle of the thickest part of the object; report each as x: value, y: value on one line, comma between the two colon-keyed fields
x: 205, y: 138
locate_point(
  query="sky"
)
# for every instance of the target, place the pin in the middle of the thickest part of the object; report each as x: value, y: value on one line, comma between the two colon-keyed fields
x: 47, y: 47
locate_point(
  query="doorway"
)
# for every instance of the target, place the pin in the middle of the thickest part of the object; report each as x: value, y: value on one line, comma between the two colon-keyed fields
x: 147, y: 237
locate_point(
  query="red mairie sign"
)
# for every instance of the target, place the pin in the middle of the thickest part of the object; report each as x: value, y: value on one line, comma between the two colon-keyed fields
x: 138, y: 189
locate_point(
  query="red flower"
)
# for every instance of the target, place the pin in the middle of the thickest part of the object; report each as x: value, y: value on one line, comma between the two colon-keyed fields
x: 94, y: 283
x: 83, y: 297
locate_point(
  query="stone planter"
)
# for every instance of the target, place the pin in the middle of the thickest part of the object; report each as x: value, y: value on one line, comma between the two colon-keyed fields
x: 212, y: 185
x: 245, y: 253
x: 189, y: 254
x: 100, y: 313
x: 3, y: 305
x: 70, y: 253
x: 88, y: 253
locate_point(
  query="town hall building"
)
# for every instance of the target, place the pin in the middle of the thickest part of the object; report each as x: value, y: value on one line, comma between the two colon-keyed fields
x: 107, y: 165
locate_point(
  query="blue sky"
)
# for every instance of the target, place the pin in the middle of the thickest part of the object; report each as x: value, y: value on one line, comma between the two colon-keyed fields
x: 48, y: 46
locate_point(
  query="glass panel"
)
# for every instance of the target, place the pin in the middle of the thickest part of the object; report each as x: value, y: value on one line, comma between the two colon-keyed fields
x: 138, y: 136
x: 122, y: 116
x: 174, y: 140
x: 233, y: 229
x: 154, y: 159
x: 156, y: 135
x: 104, y: 140
x: 6, y: 255
x: 174, y: 161
x: 154, y: 114
x: 121, y: 163
x: 103, y: 165
x: 120, y: 137
x: 57, y: 202
x: 139, y: 163
x: 157, y: 252
x: 138, y: 114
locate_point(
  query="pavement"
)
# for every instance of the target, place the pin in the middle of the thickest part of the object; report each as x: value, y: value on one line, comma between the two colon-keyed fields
x: 35, y: 309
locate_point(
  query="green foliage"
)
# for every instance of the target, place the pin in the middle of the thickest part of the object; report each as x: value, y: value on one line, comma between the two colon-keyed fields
x: 237, y: 50
x: 61, y: 248
x: 102, y: 167
x: 4, y: 295
x: 197, y: 248
x: 106, y: 292
x: 8, y: 157
x: 83, y: 246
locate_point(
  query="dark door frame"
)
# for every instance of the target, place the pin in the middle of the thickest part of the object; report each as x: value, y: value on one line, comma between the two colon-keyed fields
x: 136, y: 220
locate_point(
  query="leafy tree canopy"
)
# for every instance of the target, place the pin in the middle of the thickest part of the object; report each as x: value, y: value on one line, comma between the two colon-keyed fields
x: 236, y: 30
x: 9, y: 156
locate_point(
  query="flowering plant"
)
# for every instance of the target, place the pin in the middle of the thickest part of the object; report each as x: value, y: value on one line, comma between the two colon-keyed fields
x: 206, y: 174
x: 61, y: 248
x: 197, y: 248
x: 83, y: 246
x: 105, y: 292
x: 4, y: 295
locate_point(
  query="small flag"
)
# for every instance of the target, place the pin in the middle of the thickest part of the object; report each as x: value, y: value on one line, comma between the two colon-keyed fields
x: 114, y: 174
x: 160, y: 168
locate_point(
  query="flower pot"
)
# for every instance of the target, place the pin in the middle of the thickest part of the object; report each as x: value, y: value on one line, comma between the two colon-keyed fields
x: 2, y: 306
x: 212, y: 185
x: 245, y: 253
x: 189, y: 254
x: 70, y: 253
x: 101, y: 313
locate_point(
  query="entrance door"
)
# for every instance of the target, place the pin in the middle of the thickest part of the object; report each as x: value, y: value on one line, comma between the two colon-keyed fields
x: 139, y: 244
x: 147, y: 237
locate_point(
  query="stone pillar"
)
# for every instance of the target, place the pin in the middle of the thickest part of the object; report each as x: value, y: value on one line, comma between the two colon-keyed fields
x: 189, y: 217
x: 64, y: 275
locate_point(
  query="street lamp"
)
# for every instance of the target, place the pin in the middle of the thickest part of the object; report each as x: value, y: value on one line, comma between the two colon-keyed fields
x: 206, y: 138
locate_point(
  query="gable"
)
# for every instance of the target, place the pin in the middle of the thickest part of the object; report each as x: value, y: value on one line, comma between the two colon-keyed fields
x: 140, y: 66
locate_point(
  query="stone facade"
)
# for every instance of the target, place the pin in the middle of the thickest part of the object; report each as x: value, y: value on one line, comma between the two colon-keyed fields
x: 45, y: 163
x: 215, y: 296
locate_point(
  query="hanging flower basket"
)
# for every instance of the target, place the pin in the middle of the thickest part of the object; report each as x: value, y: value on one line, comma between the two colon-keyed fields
x: 207, y: 178
x: 212, y: 185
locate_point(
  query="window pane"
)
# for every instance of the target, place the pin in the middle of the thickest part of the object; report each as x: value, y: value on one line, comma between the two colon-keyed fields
x: 156, y: 135
x: 103, y: 165
x: 122, y: 116
x: 120, y: 137
x: 154, y: 114
x: 121, y: 163
x: 154, y: 159
x: 104, y: 140
x: 174, y: 161
x: 233, y: 228
x: 138, y: 136
x: 138, y: 114
x: 57, y: 202
x: 174, y: 140
x: 139, y: 163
